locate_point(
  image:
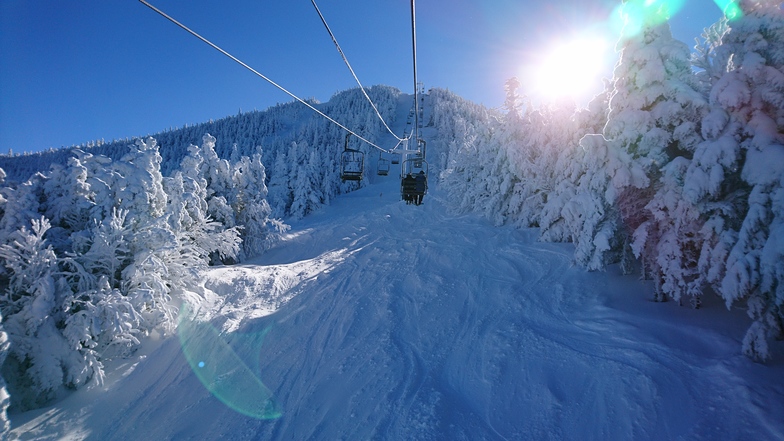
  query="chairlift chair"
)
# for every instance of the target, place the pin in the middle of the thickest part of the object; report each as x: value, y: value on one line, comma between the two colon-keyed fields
x: 413, y: 166
x: 383, y: 166
x: 417, y: 160
x: 352, y: 163
x: 419, y: 156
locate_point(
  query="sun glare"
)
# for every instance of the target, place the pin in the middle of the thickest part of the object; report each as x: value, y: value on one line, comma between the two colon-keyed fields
x: 572, y: 70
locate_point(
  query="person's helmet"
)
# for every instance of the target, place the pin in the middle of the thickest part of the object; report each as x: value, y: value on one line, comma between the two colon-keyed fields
x: 421, y: 172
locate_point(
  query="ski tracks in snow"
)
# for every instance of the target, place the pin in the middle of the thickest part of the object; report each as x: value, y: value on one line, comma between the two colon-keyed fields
x: 435, y: 326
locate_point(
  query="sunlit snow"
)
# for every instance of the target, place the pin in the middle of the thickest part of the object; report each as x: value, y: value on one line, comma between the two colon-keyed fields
x: 374, y: 319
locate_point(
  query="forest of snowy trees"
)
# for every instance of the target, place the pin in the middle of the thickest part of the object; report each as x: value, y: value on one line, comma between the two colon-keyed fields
x: 98, y: 254
x: 676, y: 170
x: 100, y: 245
x: 679, y: 166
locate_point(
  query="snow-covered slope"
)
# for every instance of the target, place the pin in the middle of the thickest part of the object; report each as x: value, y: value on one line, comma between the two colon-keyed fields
x: 379, y: 320
x: 374, y: 319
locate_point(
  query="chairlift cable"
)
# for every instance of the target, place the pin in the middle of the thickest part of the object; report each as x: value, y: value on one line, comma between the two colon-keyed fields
x: 345, y: 60
x: 416, y: 85
x: 241, y: 63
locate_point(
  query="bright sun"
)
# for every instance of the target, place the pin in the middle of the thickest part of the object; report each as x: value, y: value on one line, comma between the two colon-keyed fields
x: 572, y: 70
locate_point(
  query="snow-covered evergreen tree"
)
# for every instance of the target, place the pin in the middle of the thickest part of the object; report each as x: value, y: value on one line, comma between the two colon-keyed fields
x: 526, y: 142
x: 196, y: 234
x: 464, y: 174
x: 41, y: 361
x: 653, y: 117
x: 470, y: 152
x: 711, y: 62
x: 513, y: 100
x: 69, y: 201
x: 499, y: 183
x: 306, y: 188
x: 5, y: 399
x: 279, y: 194
x: 142, y: 202
x: 592, y: 215
x: 128, y: 242
x: 569, y: 167
x: 258, y: 230
x: 544, y: 136
x: 668, y: 240
x: 21, y: 205
x: 752, y: 94
x: 655, y: 113
x: 235, y: 195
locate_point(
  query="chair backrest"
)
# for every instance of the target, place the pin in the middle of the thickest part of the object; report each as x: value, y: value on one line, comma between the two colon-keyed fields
x: 383, y: 167
x: 352, y: 165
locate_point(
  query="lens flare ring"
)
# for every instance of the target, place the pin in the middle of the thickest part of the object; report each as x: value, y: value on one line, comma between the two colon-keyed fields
x: 222, y: 372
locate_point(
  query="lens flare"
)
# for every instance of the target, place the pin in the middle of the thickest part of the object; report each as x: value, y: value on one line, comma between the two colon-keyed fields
x: 222, y: 371
x: 636, y: 15
x: 730, y: 8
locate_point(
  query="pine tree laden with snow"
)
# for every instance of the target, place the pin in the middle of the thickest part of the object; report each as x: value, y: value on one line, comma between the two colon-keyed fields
x: 128, y: 246
x: 654, y: 116
x: 512, y: 103
x: 736, y: 173
x: 5, y: 399
x: 41, y: 362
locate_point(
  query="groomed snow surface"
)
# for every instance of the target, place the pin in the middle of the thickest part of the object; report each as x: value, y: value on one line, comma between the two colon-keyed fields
x: 375, y: 319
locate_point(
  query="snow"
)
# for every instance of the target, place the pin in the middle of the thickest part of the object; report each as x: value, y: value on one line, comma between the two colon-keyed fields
x: 376, y: 319
x: 764, y: 167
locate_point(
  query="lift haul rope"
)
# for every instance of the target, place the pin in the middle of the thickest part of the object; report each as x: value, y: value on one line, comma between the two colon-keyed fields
x: 345, y: 60
x: 416, y: 85
x: 238, y: 61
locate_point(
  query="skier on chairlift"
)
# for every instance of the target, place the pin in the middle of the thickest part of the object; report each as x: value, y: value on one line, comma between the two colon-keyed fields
x: 420, y: 187
x: 409, y: 188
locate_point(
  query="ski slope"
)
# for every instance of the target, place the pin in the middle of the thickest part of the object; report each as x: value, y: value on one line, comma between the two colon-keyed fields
x: 374, y: 319
x: 378, y: 320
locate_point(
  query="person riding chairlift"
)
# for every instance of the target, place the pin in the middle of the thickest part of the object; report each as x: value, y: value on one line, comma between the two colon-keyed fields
x: 420, y: 187
x: 409, y: 188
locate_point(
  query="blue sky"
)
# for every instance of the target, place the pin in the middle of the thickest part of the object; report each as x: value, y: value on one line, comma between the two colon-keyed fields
x: 75, y: 71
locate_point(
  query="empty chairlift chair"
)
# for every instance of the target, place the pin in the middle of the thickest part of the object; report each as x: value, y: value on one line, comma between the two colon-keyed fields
x: 383, y: 166
x: 352, y: 163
